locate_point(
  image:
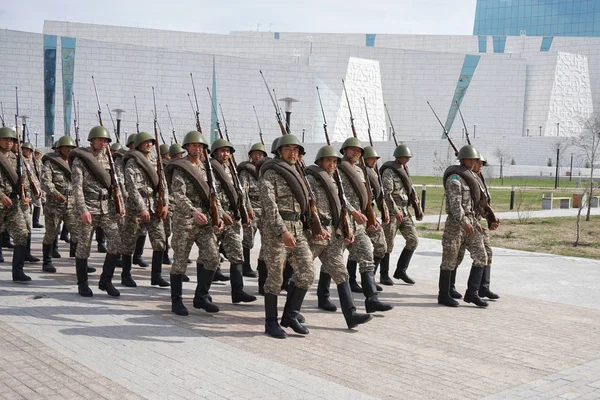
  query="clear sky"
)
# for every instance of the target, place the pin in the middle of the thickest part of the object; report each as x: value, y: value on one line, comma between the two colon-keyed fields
x: 222, y: 16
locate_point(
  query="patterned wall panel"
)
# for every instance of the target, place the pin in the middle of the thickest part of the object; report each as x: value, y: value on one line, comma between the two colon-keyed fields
x: 67, y: 46
x: 49, y: 87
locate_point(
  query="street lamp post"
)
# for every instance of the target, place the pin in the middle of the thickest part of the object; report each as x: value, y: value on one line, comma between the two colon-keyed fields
x: 119, y: 113
x: 24, y: 118
x: 288, y: 101
x: 527, y: 132
x: 558, y: 129
x: 474, y: 129
x: 571, y: 169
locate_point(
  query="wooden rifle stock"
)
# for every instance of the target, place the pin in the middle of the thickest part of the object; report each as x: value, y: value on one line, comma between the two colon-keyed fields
x: 161, y: 189
x: 213, y: 204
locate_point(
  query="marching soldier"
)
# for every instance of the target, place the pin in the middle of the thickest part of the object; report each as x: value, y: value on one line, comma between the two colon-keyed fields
x: 361, y: 250
x: 176, y: 151
x: 30, y: 181
x: 11, y: 206
x: 60, y: 203
x: 37, y: 159
x: 229, y: 237
x: 249, y: 178
x: 191, y: 195
x: 164, y: 152
x: 329, y: 247
x: 462, y: 199
x: 142, y: 184
x: 95, y: 206
x: 398, y: 187
x: 285, y: 204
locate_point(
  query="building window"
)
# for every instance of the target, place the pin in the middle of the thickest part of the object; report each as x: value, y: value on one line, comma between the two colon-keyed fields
x: 482, y: 44
x: 370, y: 40
x: 546, y: 43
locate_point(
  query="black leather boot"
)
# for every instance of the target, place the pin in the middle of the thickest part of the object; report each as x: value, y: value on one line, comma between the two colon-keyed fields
x: 82, y: 277
x: 185, y: 278
x: 126, y: 278
x: 376, y: 261
x: 262, y: 276
x: 247, y: 266
x: 453, y: 292
x: 7, y: 240
x: 237, y: 286
x: 36, y: 218
x: 288, y: 272
x: 444, y: 286
x: 1, y: 255
x: 18, y: 262
x: 100, y: 239
x: 64, y: 234
x: 402, y: 266
x: 55, y: 253
x: 28, y: 256
x: 166, y: 260
x: 272, y: 327
x: 353, y: 319
x: 219, y: 277
x: 72, y: 248
x: 473, y: 284
x: 177, y: 306
x: 484, y: 289
x: 384, y: 271
x: 156, y: 277
x: 372, y: 303
x: 201, y: 298
x: 295, y: 297
x: 351, y: 266
x: 139, y: 250
x: 47, y: 265
x: 108, y: 270
x: 324, y: 301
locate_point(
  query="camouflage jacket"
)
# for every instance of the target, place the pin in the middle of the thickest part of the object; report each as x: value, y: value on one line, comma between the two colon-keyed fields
x: 90, y: 194
x: 141, y: 196
x: 276, y: 198
x: 459, y: 204
x: 6, y: 187
x: 323, y: 205
x: 54, y: 181
x: 395, y: 193
x: 34, y: 178
x: 250, y: 186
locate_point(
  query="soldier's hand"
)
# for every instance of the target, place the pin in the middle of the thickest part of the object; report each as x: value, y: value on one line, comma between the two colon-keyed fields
x: 60, y: 198
x: 349, y: 241
x: 400, y: 216
x: 25, y: 202
x: 6, y: 202
x: 86, y: 218
x: 419, y: 217
x: 164, y: 213
x: 144, y: 216
x: 288, y: 239
x: 219, y: 227
x: 324, y: 235
x: 251, y: 214
x: 227, y: 219
x: 479, y: 228
x: 200, y: 218
x: 373, y: 227
x: 468, y: 229
x: 359, y: 217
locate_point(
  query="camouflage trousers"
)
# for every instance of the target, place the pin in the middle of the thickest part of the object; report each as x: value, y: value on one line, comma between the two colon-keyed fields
x: 27, y: 216
x: 108, y: 224
x: 187, y: 233
x: 167, y: 224
x: 299, y: 257
x: 231, y: 240
x: 133, y: 227
x: 250, y: 231
x: 13, y: 222
x: 407, y: 230
x: 54, y: 213
x: 454, y: 236
x: 331, y: 254
x: 361, y: 250
x: 486, y: 244
x: 379, y: 242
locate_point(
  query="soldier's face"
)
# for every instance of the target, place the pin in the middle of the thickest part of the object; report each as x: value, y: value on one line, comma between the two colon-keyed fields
x: 256, y: 155
x: 403, y: 160
x: 146, y: 147
x: 166, y: 156
x: 223, y: 154
x: 180, y: 155
x: 99, y: 143
x: 329, y: 164
x: 26, y: 152
x: 195, y: 150
x: 371, y: 161
x: 352, y: 153
x: 477, y: 166
x: 6, y: 144
x: 289, y: 153
x: 469, y: 162
x: 65, y: 150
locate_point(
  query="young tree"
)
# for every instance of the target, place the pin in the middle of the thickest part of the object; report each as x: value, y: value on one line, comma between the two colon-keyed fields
x: 503, y: 158
x: 588, y: 141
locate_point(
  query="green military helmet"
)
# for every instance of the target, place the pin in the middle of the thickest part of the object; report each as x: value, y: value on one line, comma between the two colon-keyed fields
x: 258, y: 147
x: 164, y: 149
x: 289, y: 140
x: 468, y: 151
x: 194, y: 137
x: 352, y: 142
x: 116, y: 147
x: 370, y: 152
x: 131, y: 139
x: 274, y: 146
x: 54, y: 145
x: 27, y: 145
x: 175, y: 149
x: 99, y: 132
x: 482, y: 159
x: 65, y: 141
x: 143, y: 137
x: 327, y: 151
x: 219, y: 144
x: 402, y: 151
x: 6, y: 132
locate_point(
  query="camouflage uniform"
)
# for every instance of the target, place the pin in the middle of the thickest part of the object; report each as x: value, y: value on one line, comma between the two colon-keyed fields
x: 12, y: 218
x: 397, y: 201
x: 230, y: 236
x: 28, y: 191
x: 250, y: 186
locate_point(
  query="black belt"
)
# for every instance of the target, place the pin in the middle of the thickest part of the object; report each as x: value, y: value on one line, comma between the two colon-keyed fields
x: 290, y: 216
x: 66, y: 193
x: 97, y: 196
x: 326, y: 222
x: 254, y: 197
x: 13, y: 196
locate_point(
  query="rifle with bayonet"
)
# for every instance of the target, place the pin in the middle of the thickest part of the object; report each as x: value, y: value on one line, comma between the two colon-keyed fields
x: 158, y: 125
x: 75, y: 126
x: 259, y: 128
x: 345, y: 220
x: 385, y: 215
x: 137, y: 116
x: 391, y: 124
x: 197, y: 110
x: 159, y: 166
x: 172, y: 126
x: 371, y: 217
x: 2, y: 114
x: 114, y: 179
x: 20, y: 187
x: 36, y: 190
x: 445, y: 130
x: 464, y: 124
x: 113, y: 123
x: 314, y: 220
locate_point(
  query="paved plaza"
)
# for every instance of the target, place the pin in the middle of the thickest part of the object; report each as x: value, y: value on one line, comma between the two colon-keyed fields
x: 540, y: 340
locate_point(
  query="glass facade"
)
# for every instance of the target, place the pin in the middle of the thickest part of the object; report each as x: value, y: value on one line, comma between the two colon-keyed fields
x: 464, y: 79
x: 537, y: 18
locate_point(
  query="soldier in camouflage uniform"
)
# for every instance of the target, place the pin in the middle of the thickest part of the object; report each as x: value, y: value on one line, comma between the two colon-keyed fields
x: 37, y: 205
x: 462, y: 199
x: 329, y: 247
x: 229, y: 238
x: 31, y: 180
x: 95, y: 206
x: 142, y: 185
x: 11, y: 213
x: 398, y: 187
x: 175, y: 151
x: 361, y: 250
x: 60, y: 203
x: 249, y: 179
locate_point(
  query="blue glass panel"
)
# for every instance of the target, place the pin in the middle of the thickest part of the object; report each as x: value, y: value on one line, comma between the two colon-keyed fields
x: 546, y: 43
x: 499, y: 44
x: 49, y: 87
x: 370, y: 39
x: 482, y: 44
x: 466, y: 73
x: 276, y: 35
x: 67, y: 46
